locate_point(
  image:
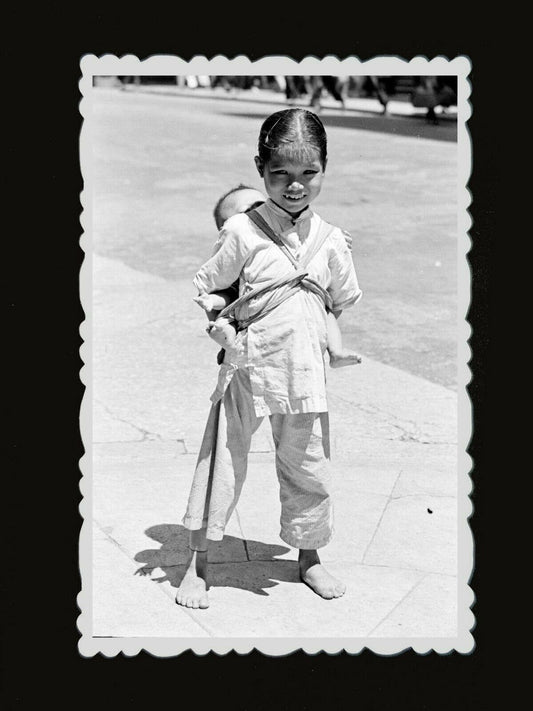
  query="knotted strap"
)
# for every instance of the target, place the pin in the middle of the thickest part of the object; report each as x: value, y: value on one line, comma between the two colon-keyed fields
x: 323, y: 232
x: 293, y: 280
x: 263, y: 225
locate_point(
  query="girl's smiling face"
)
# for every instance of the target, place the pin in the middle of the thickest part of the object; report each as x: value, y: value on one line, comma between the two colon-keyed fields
x: 292, y: 183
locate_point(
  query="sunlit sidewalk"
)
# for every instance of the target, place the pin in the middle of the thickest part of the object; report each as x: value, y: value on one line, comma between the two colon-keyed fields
x: 394, y: 458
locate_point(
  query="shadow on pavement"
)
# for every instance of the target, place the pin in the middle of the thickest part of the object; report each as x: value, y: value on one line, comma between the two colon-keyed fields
x: 263, y: 570
x: 414, y: 126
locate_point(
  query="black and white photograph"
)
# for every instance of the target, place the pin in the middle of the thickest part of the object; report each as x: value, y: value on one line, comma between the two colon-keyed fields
x: 275, y: 355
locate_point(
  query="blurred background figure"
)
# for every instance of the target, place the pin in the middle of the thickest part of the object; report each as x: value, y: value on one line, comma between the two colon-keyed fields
x: 129, y: 80
x: 193, y: 82
x: 297, y: 87
x: 336, y: 86
x: 279, y: 83
x: 223, y: 81
x: 383, y: 87
x: 434, y: 91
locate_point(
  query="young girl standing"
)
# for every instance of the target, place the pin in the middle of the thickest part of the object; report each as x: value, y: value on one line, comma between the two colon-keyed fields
x: 292, y: 269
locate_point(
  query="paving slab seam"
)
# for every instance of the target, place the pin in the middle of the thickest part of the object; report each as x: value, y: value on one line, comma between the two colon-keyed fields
x: 120, y: 333
x: 392, y: 420
x: 387, y: 502
x: 407, y: 568
x: 162, y: 590
x: 364, y: 492
x: 395, y: 607
x: 244, y: 539
x: 423, y: 493
x: 213, y: 563
x: 147, y: 435
x: 260, y: 560
x: 163, y: 440
x: 119, y: 441
x: 102, y: 529
x: 172, y: 317
x: 409, y: 438
x: 188, y: 611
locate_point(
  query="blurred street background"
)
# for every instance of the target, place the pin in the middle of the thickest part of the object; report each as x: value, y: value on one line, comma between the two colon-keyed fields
x: 163, y: 150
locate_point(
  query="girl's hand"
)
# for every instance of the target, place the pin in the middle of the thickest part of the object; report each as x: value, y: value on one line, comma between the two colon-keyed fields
x: 205, y: 301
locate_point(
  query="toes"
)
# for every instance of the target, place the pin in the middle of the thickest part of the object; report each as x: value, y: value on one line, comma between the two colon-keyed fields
x: 192, y: 603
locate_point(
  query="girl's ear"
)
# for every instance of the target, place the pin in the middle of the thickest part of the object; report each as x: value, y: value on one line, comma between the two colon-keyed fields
x: 259, y: 165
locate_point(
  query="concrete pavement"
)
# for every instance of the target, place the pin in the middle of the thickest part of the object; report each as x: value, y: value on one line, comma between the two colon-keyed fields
x: 394, y: 452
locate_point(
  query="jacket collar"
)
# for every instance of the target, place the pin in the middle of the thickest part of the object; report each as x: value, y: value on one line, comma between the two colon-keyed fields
x: 284, y: 217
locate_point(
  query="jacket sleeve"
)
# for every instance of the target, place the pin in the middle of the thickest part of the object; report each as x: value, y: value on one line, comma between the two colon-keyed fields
x: 344, y: 287
x: 225, y: 266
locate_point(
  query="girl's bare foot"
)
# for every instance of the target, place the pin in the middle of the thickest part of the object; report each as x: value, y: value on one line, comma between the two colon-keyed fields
x: 223, y: 332
x: 192, y: 591
x: 342, y: 358
x: 313, y: 573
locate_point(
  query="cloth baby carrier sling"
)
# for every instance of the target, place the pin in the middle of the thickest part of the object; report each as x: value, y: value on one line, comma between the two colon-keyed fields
x: 293, y: 280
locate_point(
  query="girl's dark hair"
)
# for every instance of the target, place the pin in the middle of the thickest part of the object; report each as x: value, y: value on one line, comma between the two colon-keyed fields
x: 295, y: 133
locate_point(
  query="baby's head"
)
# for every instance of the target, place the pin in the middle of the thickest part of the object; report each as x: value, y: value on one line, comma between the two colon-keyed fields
x: 292, y: 157
x: 239, y: 199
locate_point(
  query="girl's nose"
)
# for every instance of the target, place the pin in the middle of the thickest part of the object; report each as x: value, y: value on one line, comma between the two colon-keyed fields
x: 295, y: 185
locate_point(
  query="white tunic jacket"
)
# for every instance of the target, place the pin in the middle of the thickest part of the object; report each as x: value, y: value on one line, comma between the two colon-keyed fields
x: 284, y: 351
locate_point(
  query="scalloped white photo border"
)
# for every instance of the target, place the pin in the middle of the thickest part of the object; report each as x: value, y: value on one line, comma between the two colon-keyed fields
x: 130, y: 65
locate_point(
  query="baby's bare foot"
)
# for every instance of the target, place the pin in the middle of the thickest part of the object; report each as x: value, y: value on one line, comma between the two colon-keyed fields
x: 313, y: 573
x: 222, y: 333
x: 205, y: 301
x: 192, y: 591
x: 339, y: 360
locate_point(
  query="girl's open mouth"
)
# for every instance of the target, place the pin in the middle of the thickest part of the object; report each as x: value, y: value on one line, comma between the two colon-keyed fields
x: 295, y: 198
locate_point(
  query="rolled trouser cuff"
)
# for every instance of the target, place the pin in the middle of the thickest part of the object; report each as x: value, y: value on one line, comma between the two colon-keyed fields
x: 307, y: 541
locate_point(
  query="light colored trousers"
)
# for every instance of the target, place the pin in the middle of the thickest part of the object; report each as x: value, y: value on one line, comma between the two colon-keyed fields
x: 302, y: 466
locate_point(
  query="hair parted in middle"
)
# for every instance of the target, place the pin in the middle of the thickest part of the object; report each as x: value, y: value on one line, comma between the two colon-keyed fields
x: 294, y: 133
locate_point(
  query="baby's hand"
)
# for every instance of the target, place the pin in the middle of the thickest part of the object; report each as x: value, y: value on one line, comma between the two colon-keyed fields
x: 222, y: 332
x: 205, y: 301
x: 348, y: 237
